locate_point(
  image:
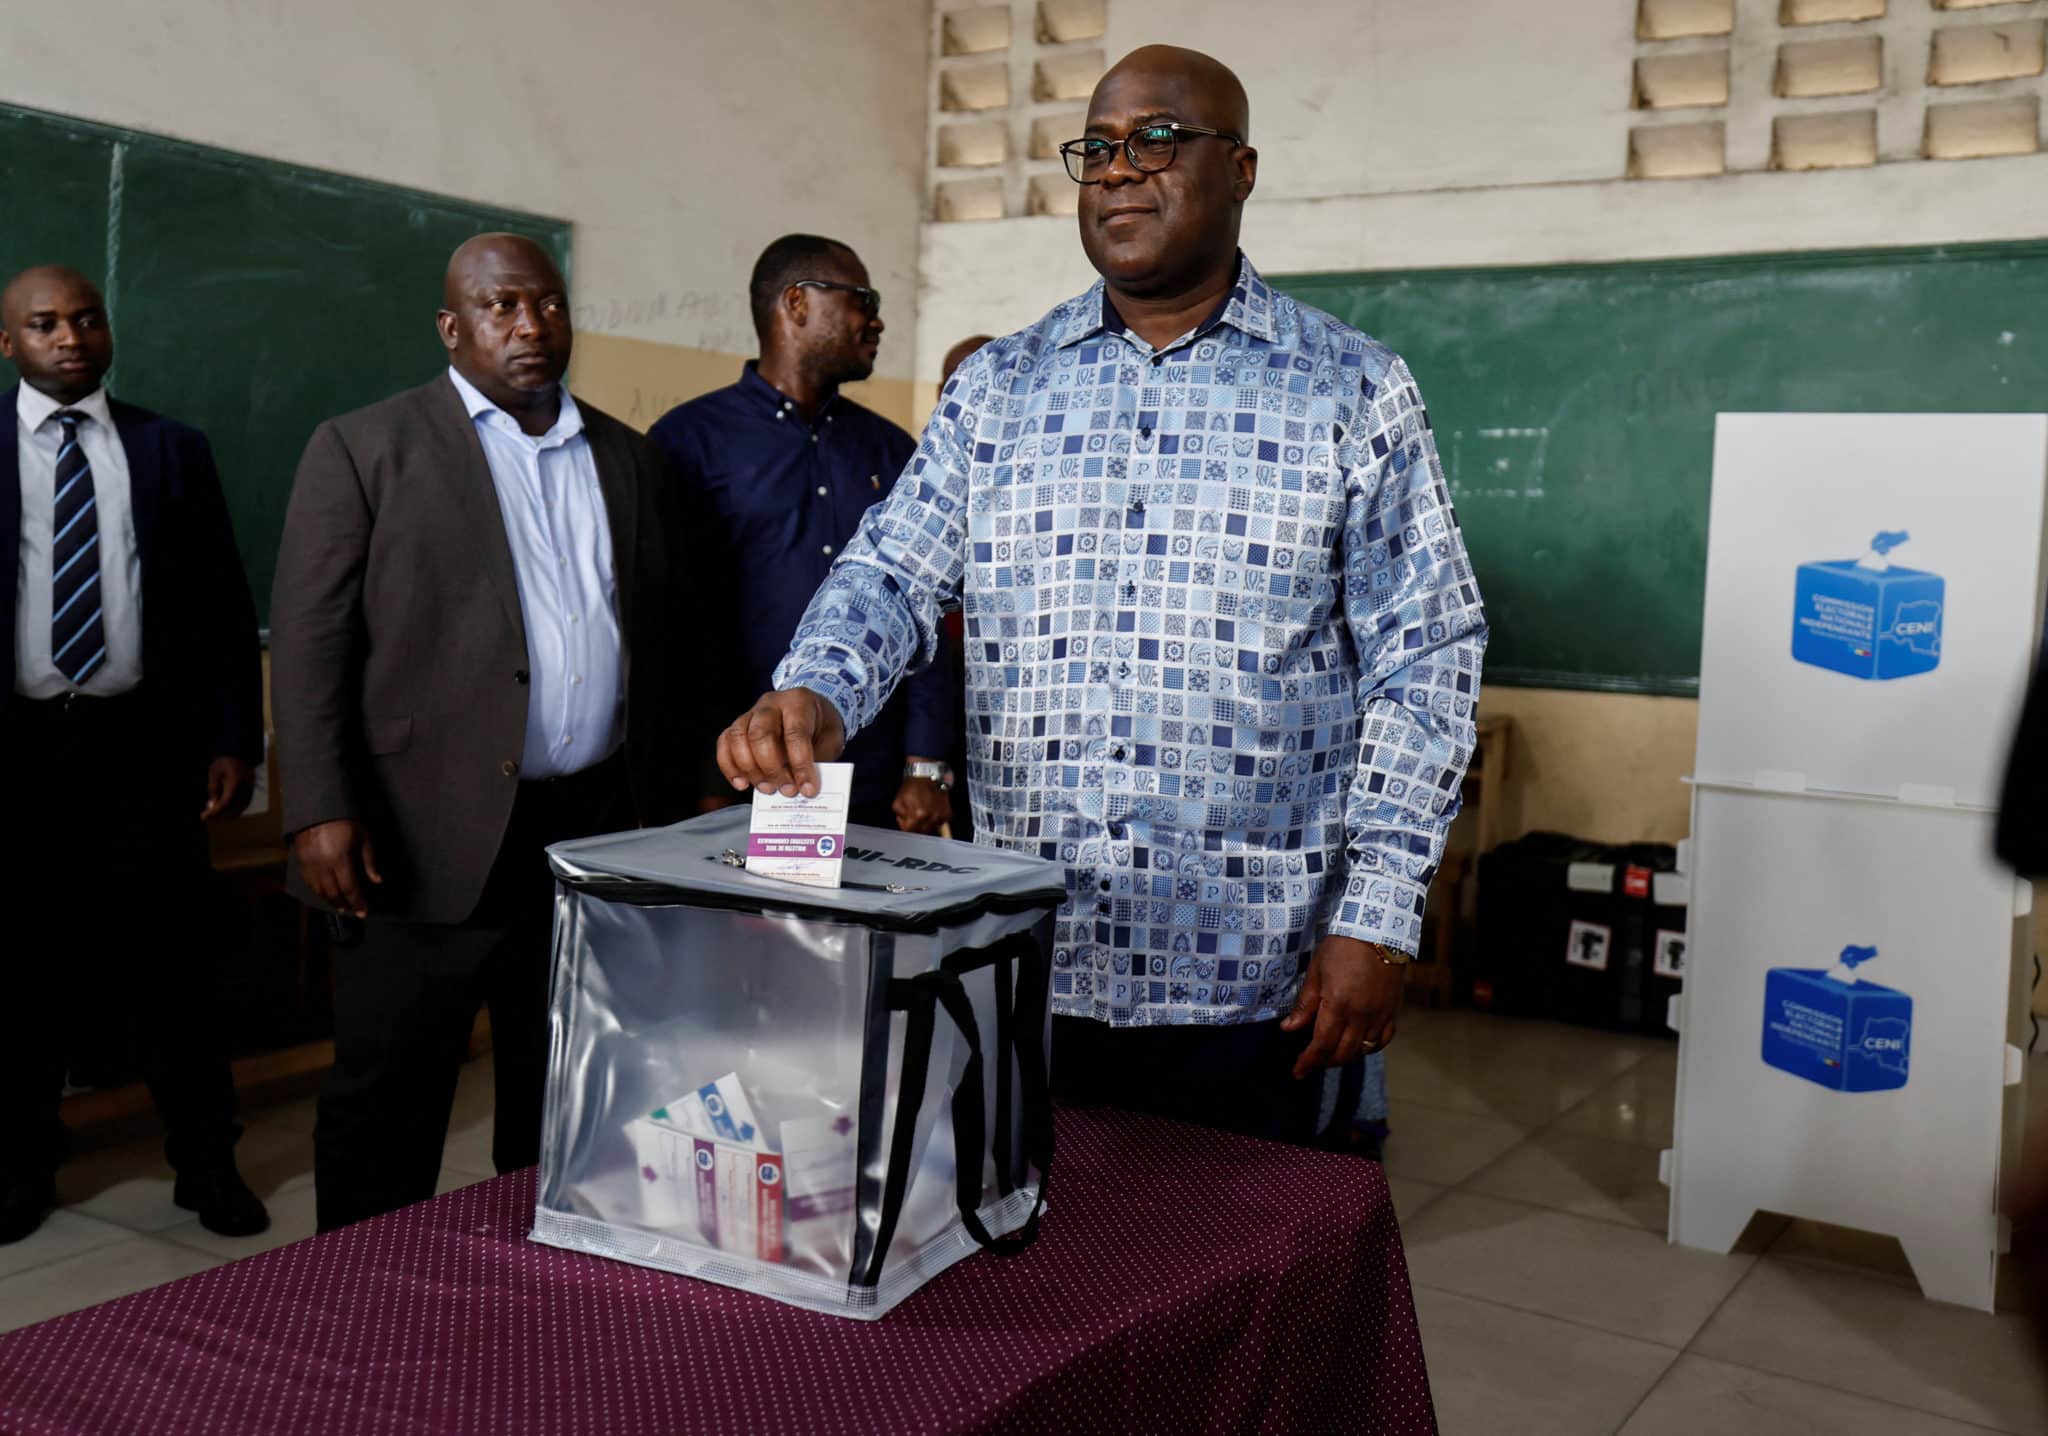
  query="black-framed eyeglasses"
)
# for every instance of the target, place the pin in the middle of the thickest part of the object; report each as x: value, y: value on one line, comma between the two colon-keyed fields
x: 1149, y: 148
x: 869, y: 300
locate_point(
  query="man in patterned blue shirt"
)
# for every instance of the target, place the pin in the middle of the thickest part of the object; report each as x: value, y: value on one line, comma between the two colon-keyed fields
x: 1223, y: 640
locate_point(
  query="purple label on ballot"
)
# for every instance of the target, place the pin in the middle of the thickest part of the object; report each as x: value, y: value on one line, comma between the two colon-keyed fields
x: 824, y: 1204
x: 705, y: 1159
x: 792, y: 845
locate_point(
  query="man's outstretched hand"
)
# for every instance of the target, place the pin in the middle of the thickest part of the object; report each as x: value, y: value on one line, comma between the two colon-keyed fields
x: 776, y: 746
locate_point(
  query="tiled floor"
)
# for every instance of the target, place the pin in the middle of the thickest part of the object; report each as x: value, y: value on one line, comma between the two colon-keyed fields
x: 116, y: 1230
x: 1524, y: 1167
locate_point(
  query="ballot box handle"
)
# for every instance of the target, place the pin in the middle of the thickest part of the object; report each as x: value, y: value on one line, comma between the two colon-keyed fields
x: 919, y: 998
x: 970, y: 1132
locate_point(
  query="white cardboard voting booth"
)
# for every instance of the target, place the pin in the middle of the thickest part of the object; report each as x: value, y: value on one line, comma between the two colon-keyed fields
x: 1872, y: 609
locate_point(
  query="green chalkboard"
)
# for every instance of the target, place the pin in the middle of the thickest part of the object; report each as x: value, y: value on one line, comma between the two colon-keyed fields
x: 1574, y: 408
x: 249, y: 298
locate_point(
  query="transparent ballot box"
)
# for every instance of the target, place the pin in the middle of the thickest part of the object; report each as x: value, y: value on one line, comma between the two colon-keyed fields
x: 826, y: 1096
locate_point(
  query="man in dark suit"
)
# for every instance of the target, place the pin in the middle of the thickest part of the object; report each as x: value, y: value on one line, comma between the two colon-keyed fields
x: 134, y: 715
x: 479, y: 597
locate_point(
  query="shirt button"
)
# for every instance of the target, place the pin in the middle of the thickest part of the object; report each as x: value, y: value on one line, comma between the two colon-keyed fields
x: 778, y: 416
x: 509, y: 768
x: 814, y: 438
x: 1117, y: 753
x: 823, y: 491
x: 577, y: 679
x: 1116, y: 830
x: 566, y: 739
x: 519, y: 676
x: 1123, y: 670
x: 1104, y: 884
x: 1144, y: 433
x: 828, y: 550
x: 1272, y: 665
x: 572, y: 618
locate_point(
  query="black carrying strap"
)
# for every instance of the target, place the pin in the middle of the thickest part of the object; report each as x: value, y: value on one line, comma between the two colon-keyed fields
x: 919, y: 998
x: 970, y: 1134
x: 914, y: 998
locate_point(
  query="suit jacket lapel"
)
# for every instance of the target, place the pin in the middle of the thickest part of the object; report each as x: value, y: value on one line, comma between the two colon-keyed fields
x: 10, y: 485
x: 616, y: 481
x: 142, y: 442
x: 458, y: 454
x: 10, y: 521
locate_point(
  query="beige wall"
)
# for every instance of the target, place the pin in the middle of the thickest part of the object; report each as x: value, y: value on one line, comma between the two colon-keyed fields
x: 638, y: 380
x: 1416, y: 134
x: 673, y: 136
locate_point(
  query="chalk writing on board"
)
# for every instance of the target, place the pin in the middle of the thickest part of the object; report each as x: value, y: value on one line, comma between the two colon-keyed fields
x: 647, y: 405
x: 615, y: 313
x: 1501, y: 462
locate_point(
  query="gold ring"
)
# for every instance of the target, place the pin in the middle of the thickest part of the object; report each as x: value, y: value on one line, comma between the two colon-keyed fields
x: 1371, y: 1046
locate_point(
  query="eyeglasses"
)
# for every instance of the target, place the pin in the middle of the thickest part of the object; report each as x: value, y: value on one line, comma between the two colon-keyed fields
x: 869, y: 300
x: 1150, y: 149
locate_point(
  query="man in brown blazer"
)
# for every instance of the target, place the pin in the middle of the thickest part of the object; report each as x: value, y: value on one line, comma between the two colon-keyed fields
x: 472, y: 632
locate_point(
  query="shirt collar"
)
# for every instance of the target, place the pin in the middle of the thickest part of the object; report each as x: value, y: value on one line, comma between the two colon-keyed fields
x: 1249, y: 307
x: 33, y: 408
x: 568, y: 423
x: 772, y: 399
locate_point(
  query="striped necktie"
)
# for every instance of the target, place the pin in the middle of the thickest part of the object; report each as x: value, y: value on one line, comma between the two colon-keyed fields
x: 78, y: 642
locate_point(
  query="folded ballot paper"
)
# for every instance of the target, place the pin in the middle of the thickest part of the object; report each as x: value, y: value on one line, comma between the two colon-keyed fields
x: 709, y: 1166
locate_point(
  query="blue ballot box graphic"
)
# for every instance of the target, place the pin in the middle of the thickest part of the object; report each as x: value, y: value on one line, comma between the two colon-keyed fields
x: 1832, y: 1027
x: 1867, y: 617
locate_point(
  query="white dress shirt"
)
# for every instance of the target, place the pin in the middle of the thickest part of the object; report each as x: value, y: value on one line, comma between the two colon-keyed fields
x: 37, y: 442
x: 568, y: 595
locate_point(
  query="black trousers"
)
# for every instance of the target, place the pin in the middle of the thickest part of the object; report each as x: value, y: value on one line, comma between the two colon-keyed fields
x: 406, y: 996
x: 1239, y: 1078
x: 104, y: 870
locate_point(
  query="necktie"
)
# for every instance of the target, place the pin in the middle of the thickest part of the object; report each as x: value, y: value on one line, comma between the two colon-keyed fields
x: 78, y: 643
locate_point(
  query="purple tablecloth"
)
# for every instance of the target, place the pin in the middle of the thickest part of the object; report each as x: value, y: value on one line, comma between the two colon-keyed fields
x: 1185, y: 1281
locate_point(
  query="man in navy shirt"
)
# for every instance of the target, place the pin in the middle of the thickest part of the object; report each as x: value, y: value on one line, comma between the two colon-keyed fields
x: 778, y: 471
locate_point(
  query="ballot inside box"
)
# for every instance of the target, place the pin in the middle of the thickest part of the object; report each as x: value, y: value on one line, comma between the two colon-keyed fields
x: 826, y: 1096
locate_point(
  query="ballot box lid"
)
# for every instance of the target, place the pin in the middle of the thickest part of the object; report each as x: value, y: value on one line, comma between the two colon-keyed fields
x: 900, y: 882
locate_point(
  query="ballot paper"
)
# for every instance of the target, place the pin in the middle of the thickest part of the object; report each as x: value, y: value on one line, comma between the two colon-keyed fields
x: 819, y: 1171
x: 716, y: 1170
x: 667, y: 1190
x: 799, y: 839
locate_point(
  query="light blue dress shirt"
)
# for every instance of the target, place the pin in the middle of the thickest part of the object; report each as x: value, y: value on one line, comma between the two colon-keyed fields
x: 1223, y: 641
x: 561, y: 542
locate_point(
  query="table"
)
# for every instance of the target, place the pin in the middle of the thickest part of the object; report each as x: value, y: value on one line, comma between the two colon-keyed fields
x: 1184, y: 1281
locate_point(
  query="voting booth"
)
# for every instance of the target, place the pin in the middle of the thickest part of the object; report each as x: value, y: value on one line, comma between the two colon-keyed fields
x: 823, y: 1095
x: 1855, y: 951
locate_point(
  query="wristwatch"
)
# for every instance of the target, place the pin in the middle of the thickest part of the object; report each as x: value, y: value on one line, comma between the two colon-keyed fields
x: 925, y: 768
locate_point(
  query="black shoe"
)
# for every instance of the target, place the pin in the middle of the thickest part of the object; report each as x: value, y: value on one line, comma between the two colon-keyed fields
x: 24, y: 1202
x: 223, y: 1200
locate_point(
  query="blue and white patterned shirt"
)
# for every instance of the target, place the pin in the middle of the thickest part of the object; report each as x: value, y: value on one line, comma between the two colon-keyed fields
x: 1223, y: 640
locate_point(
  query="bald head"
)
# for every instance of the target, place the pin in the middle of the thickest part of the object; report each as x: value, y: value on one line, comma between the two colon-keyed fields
x: 1208, y: 90
x: 53, y: 328
x: 41, y: 279
x: 505, y: 323
x: 488, y: 254
x: 960, y: 353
